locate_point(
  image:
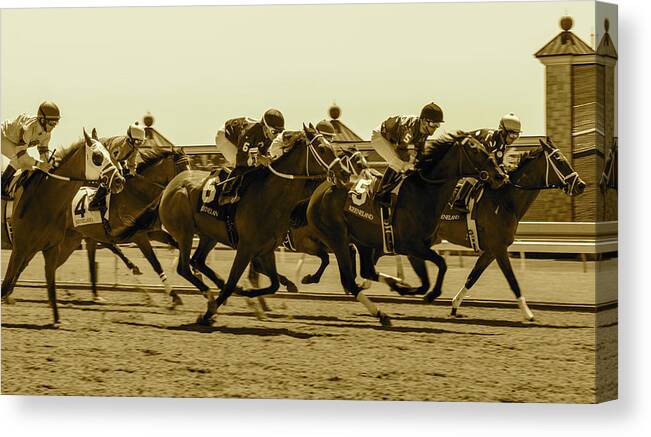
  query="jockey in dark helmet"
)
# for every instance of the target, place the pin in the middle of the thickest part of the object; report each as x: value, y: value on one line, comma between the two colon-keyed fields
x: 393, y: 138
x: 22, y: 133
x: 252, y: 140
x: 325, y: 128
x: 495, y: 142
x: 124, y: 149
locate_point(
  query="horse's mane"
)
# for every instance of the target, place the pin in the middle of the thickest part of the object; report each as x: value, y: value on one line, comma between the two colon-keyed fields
x: 434, y: 150
x: 151, y: 157
x: 63, y: 153
x: 518, y: 159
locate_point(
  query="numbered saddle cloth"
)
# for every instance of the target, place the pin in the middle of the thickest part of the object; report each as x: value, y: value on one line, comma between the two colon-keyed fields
x: 81, y: 216
x: 212, y: 188
x: 359, y: 202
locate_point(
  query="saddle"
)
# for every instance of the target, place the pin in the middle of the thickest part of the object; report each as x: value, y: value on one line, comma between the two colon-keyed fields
x: 15, y: 191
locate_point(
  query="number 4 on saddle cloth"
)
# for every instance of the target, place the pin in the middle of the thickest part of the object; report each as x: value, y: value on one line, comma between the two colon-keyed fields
x: 82, y: 216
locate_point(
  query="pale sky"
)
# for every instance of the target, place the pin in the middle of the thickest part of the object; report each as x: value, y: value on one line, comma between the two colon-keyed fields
x: 196, y: 67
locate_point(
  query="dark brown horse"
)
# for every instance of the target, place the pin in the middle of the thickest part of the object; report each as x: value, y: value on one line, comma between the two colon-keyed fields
x: 133, y: 215
x: 420, y: 202
x: 260, y: 218
x: 499, y: 212
x: 43, y: 212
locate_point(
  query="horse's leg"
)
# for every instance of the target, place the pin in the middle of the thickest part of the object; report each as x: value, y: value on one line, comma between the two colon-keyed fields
x: 484, y: 261
x: 242, y: 259
x: 199, y: 257
x: 127, y: 262
x: 142, y: 241
x: 253, y: 276
x: 183, y: 265
x: 346, y: 272
x: 420, y: 268
x: 91, y: 254
x: 426, y: 253
x: 51, y: 257
x: 287, y: 283
x: 322, y: 253
x: 265, y: 264
x: 505, y: 265
x: 17, y: 263
x: 367, y: 259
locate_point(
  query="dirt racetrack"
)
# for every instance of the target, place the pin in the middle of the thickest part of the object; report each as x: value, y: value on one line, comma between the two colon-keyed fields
x: 306, y: 349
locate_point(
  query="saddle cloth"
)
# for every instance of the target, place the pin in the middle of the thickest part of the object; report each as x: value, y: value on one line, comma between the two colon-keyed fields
x: 360, y: 203
x: 209, y: 202
x: 81, y: 216
x: 452, y: 214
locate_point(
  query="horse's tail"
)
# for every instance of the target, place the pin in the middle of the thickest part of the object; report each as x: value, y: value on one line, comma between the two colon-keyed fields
x: 298, y: 217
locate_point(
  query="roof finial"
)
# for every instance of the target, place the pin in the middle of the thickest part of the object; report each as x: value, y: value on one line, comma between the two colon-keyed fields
x: 606, y: 24
x: 334, y: 111
x: 566, y: 23
x: 148, y: 119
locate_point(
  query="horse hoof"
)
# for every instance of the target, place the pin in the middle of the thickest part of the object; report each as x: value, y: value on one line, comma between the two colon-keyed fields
x: 364, y: 285
x: 8, y: 300
x: 99, y: 299
x: 307, y: 279
x: 453, y: 312
x: 429, y: 297
x: 205, y: 321
x: 136, y: 271
x: 385, y: 320
x: 292, y: 288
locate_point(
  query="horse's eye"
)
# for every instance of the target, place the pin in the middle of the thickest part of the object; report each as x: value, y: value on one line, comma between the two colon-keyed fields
x: 97, y: 158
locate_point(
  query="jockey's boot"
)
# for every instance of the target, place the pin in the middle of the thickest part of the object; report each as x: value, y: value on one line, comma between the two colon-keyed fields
x: 99, y: 198
x: 386, y: 185
x: 461, y: 200
x: 229, y: 194
x: 7, y: 176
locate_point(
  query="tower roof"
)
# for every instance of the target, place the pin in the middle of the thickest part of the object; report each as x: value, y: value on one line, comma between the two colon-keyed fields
x: 606, y: 46
x: 343, y: 134
x: 565, y: 43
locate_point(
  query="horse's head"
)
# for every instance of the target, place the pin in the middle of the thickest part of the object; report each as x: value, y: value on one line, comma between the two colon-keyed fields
x: 100, y: 166
x: 320, y: 154
x: 477, y: 162
x: 558, y: 170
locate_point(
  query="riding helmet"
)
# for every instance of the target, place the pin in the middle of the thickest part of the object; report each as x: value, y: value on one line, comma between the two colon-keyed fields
x: 510, y: 123
x: 432, y: 112
x: 49, y: 111
x: 136, y: 132
x: 325, y: 128
x: 274, y: 119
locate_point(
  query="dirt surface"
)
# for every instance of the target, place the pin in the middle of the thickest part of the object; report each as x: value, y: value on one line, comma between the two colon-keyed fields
x: 305, y: 349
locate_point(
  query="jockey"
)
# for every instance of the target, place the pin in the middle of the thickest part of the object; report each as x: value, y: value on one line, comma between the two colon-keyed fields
x: 124, y: 149
x: 252, y: 140
x: 325, y: 128
x: 24, y: 132
x: 394, y: 136
x: 495, y: 142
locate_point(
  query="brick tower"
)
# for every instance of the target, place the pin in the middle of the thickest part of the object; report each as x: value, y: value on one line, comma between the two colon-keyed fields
x: 579, y: 118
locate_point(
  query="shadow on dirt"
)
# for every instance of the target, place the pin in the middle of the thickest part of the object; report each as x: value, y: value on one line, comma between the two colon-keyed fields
x: 462, y: 320
x: 31, y: 326
x: 261, y: 331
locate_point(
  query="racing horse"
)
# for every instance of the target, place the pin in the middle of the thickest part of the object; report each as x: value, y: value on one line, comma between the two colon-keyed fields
x: 133, y: 215
x: 498, y: 213
x: 43, y: 212
x: 422, y: 197
x: 260, y: 219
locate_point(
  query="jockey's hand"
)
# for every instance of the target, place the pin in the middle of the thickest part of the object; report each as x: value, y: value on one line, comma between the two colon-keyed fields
x: 408, y: 166
x: 264, y: 160
x: 45, y: 166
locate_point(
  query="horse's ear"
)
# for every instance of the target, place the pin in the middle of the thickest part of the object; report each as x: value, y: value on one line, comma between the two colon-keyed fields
x: 304, y: 127
x: 87, y: 138
x: 94, y: 134
x: 311, y: 126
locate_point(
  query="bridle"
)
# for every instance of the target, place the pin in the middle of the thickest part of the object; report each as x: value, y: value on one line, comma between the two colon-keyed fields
x: 482, y: 174
x: 311, y: 152
x: 568, y: 182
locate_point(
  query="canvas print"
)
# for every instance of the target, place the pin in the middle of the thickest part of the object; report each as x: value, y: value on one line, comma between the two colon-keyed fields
x: 362, y: 202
